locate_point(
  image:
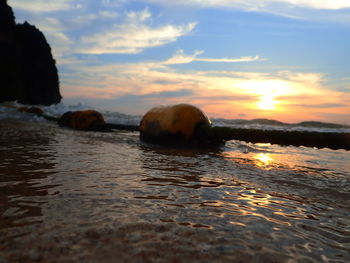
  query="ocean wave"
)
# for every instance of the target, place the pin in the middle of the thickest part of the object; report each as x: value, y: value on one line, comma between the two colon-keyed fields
x: 266, y: 124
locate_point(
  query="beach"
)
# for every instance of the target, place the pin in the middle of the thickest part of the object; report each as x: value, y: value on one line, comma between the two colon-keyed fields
x: 76, y: 196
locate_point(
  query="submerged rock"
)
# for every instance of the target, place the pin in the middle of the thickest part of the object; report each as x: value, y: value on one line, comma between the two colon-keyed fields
x: 28, y: 71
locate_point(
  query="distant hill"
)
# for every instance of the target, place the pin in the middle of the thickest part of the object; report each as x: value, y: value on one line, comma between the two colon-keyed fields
x: 308, y: 124
x: 267, y: 122
x: 318, y: 124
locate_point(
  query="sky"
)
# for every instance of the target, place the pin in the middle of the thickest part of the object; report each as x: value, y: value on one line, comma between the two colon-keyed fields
x: 287, y: 60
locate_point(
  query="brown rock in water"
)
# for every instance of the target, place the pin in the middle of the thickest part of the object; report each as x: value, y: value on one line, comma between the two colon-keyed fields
x: 34, y: 110
x: 82, y: 120
x: 28, y: 71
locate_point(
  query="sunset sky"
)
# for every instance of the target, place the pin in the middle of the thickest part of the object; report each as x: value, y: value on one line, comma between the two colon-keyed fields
x: 287, y: 60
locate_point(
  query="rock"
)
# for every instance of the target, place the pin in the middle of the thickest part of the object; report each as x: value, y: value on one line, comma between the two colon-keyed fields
x: 173, y: 124
x: 34, y: 110
x: 28, y: 71
x: 37, y: 67
x: 82, y: 120
x: 7, y: 53
x: 7, y: 22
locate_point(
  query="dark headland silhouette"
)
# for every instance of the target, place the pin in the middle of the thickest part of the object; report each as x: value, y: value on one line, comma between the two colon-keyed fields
x: 28, y: 72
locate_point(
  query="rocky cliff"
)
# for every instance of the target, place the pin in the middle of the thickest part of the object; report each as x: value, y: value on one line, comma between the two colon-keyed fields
x: 28, y: 72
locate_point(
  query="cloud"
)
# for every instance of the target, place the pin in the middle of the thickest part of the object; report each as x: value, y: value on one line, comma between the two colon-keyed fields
x: 108, y: 14
x: 43, y: 6
x: 310, y: 10
x: 165, y: 94
x: 231, y: 60
x: 257, y: 5
x: 316, y: 4
x: 96, y: 30
x: 181, y: 58
x: 133, y: 36
x: 297, y: 96
x: 113, y: 3
x: 139, y: 16
x: 322, y: 105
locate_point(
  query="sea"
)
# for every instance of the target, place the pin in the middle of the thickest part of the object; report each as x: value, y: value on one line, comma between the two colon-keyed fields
x: 78, y: 196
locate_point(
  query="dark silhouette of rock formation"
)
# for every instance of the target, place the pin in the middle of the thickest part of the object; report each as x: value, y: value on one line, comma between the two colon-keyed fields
x: 28, y: 71
x: 7, y: 53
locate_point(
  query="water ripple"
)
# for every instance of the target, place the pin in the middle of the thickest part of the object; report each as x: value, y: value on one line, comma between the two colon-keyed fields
x: 238, y: 202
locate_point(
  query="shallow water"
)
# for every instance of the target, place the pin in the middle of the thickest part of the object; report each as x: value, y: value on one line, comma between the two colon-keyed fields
x: 68, y: 196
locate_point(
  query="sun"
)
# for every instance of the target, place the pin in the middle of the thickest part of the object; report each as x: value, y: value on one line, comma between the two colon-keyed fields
x: 267, y: 93
x: 267, y: 102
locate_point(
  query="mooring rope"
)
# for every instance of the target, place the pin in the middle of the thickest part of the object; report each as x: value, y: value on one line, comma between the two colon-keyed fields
x: 331, y: 140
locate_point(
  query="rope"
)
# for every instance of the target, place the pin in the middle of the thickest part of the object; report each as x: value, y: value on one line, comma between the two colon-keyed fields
x: 113, y: 126
x: 332, y: 140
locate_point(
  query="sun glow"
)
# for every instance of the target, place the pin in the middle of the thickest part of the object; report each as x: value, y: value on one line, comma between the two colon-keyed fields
x: 267, y: 103
x: 268, y: 91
